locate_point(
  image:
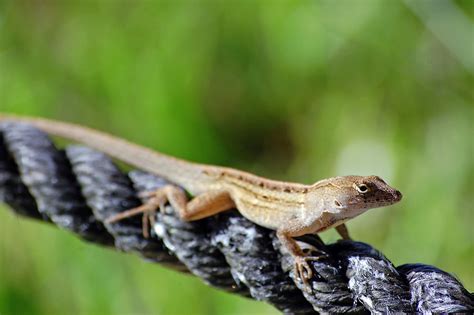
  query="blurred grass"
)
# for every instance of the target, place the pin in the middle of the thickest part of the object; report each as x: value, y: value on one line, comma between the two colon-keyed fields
x: 290, y: 90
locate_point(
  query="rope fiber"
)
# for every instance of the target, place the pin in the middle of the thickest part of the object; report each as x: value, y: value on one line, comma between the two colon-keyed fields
x: 78, y: 188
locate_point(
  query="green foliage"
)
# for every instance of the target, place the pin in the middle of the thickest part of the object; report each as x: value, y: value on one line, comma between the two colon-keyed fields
x: 290, y: 90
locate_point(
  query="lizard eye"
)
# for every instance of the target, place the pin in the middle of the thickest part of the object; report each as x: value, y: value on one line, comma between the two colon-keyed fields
x: 362, y: 188
x: 337, y: 204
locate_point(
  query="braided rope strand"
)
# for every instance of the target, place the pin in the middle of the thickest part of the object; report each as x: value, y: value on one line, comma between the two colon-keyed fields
x: 78, y: 188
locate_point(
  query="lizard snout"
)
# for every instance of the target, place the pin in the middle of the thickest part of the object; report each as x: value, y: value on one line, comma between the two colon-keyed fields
x: 397, y: 196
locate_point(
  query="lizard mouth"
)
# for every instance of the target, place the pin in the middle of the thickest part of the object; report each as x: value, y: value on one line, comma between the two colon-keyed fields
x: 390, y: 198
x: 397, y: 196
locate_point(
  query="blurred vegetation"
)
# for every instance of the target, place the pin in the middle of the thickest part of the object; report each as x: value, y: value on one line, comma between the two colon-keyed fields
x: 297, y: 90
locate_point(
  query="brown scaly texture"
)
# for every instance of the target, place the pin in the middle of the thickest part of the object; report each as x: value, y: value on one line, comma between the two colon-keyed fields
x: 226, y: 251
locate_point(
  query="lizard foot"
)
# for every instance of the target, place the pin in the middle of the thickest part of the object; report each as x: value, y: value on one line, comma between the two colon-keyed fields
x: 156, y: 201
x: 303, y: 269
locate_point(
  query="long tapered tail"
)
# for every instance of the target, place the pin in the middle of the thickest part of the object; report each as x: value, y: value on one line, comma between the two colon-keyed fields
x: 138, y: 156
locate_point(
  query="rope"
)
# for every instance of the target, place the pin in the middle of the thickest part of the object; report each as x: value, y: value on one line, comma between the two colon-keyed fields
x: 78, y: 188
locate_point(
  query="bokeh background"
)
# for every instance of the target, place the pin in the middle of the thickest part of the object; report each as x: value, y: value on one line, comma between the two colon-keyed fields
x: 291, y: 90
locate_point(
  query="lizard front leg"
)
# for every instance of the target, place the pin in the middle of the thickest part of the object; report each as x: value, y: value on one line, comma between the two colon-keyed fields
x: 202, y: 206
x: 302, y: 268
x: 343, y: 232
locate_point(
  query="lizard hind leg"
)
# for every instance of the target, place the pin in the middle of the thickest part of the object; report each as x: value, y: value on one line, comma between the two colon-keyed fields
x: 156, y: 200
x: 207, y: 204
x: 202, y: 206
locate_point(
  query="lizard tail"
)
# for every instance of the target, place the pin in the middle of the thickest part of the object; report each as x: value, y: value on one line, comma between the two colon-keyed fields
x: 130, y: 153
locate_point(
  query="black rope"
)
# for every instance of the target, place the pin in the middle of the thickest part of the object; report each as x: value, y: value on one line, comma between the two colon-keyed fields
x: 78, y: 188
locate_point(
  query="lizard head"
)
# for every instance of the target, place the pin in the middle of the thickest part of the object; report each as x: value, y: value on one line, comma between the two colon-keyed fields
x: 349, y: 196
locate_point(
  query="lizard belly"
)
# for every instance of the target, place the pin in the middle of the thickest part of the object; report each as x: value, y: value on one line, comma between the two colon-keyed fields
x: 264, y: 215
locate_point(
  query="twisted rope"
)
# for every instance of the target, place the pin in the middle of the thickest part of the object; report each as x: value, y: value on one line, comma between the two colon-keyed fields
x: 78, y: 188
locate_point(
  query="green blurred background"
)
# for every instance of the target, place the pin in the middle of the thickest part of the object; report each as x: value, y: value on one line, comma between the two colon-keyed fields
x: 292, y: 90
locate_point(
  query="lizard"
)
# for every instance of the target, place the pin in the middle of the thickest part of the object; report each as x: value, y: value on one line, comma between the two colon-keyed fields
x: 291, y: 209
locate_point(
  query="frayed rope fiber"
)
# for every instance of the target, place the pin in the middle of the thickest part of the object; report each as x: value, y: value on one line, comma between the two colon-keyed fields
x: 78, y: 188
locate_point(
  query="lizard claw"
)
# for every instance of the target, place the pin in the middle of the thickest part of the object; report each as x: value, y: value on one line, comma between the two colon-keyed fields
x: 303, y: 270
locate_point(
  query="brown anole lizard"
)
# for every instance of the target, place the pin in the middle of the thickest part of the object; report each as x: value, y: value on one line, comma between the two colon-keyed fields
x: 291, y: 209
